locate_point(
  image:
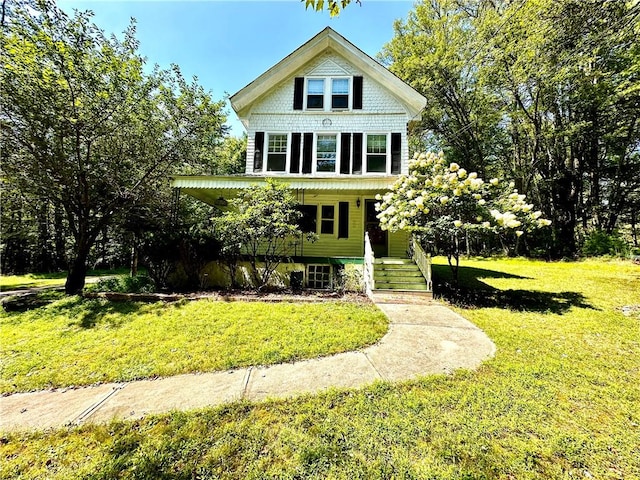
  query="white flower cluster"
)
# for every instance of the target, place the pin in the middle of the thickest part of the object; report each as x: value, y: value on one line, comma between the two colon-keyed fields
x: 435, y: 189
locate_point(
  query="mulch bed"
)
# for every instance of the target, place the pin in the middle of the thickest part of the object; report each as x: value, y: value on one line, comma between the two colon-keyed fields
x: 233, y: 296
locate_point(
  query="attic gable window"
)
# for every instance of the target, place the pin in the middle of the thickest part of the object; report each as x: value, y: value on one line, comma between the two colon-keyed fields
x: 339, y: 93
x: 327, y: 93
x: 315, y: 93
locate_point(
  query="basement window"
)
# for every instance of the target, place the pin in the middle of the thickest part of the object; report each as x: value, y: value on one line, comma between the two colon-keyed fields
x: 319, y: 276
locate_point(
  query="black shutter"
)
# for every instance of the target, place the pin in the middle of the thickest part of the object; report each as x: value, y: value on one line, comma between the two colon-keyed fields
x: 307, y: 153
x: 343, y: 220
x: 357, y: 153
x: 257, y: 151
x: 396, y: 150
x: 298, y: 93
x: 295, y: 153
x: 345, y: 152
x: 357, y: 93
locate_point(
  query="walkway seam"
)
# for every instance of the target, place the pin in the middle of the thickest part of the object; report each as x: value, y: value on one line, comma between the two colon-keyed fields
x: 245, y: 382
x: 382, y: 377
x: 89, y: 411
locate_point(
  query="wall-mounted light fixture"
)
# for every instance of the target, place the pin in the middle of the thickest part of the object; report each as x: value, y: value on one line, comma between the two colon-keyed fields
x: 358, y: 203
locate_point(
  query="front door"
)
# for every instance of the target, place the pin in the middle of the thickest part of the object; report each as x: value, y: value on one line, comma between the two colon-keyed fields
x: 377, y: 236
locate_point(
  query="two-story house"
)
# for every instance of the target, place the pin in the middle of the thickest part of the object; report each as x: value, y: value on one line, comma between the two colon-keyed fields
x: 331, y: 122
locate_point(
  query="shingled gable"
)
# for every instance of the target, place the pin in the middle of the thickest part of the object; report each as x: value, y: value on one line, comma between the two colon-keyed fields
x: 327, y: 40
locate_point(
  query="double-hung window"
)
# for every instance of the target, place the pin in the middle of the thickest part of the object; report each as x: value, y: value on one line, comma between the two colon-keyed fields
x: 277, y: 152
x: 326, y: 153
x: 315, y: 93
x: 340, y: 93
x: 376, y: 153
x: 327, y: 219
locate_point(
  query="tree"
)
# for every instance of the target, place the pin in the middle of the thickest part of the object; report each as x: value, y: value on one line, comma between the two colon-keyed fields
x: 90, y: 131
x: 333, y: 6
x: 230, y: 156
x: 541, y: 91
x: 261, y: 223
x: 436, y: 51
x: 442, y: 202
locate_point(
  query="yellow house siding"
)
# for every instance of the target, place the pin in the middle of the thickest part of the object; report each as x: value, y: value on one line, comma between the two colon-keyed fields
x: 329, y: 245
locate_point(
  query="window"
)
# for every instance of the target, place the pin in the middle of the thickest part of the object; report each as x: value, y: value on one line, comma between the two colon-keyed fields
x: 340, y: 93
x: 308, y: 222
x: 326, y: 153
x: 376, y: 153
x: 315, y: 93
x: 277, y: 153
x: 326, y: 221
x: 319, y: 276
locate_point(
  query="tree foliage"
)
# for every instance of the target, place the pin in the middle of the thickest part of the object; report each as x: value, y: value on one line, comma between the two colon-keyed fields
x: 87, y: 128
x: 541, y: 91
x: 442, y: 202
x: 261, y: 224
x: 334, y: 7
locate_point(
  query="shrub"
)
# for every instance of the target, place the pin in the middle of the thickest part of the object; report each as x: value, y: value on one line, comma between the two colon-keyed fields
x: 600, y: 243
x: 126, y: 284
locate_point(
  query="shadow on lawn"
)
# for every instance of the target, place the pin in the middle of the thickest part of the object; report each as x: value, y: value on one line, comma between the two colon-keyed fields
x: 87, y: 313
x: 472, y: 292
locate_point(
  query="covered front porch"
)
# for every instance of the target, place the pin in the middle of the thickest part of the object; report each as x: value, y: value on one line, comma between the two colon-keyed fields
x: 341, y: 212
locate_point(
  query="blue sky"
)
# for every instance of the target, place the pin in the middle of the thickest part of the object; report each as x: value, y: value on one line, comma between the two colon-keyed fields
x: 227, y: 44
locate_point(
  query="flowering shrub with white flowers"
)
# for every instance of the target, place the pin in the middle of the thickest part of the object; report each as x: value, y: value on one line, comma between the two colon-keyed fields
x: 441, y: 201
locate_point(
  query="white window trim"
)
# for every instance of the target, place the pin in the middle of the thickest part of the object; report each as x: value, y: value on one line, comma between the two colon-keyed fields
x: 330, y: 285
x: 314, y: 166
x: 387, y: 171
x: 328, y: 84
x: 335, y: 220
x: 265, y: 155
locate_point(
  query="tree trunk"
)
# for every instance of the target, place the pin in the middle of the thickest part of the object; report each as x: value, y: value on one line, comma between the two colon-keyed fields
x: 60, y: 254
x: 77, y: 272
x: 134, y: 256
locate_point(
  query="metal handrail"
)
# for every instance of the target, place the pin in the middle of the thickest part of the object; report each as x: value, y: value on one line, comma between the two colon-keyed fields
x: 369, y: 259
x: 423, y: 260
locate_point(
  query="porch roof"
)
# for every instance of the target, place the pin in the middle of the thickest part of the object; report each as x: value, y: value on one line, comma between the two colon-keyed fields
x: 234, y: 182
x: 210, y: 189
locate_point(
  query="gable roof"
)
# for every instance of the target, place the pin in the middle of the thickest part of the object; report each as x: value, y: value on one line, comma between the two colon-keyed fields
x: 327, y: 39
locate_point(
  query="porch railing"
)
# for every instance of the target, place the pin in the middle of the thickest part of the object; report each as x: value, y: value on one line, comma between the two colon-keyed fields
x: 422, y: 259
x: 368, y: 265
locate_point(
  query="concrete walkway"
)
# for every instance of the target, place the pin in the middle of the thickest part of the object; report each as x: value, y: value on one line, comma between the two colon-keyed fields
x: 423, y: 338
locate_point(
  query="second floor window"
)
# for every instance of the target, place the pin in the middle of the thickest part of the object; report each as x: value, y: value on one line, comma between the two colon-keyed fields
x: 376, y: 153
x: 277, y: 153
x: 327, y: 153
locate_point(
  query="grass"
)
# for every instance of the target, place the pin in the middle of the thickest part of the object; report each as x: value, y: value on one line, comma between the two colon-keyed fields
x: 34, y: 280
x: 75, y: 341
x: 558, y: 401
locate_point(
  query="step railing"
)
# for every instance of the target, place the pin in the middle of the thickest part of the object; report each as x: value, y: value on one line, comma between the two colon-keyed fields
x: 369, y: 259
x: 422, y: 259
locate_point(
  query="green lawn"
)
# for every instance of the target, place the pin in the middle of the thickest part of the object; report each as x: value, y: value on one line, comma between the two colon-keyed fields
x: 32, y: 280
x: 75, y: 341
x: 558, y: 401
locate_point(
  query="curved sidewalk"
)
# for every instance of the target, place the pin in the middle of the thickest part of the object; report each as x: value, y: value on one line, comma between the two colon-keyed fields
x: 422, y: 339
